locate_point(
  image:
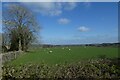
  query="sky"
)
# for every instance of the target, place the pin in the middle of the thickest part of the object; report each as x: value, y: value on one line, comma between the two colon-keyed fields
x: 60, y: 0
x: 0, y: 17
x: 75, y: 22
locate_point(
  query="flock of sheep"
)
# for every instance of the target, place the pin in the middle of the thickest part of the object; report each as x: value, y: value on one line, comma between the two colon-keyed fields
x: 51, y: 51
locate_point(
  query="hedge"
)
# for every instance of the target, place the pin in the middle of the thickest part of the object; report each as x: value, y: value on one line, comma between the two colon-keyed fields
x: 91, y: 69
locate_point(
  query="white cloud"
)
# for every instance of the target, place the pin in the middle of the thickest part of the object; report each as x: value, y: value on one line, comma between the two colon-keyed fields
x: 51, y: 8
x: 46, y: 8
x: 70, y: 6
x: 63, y: 21
x: 83, y: 29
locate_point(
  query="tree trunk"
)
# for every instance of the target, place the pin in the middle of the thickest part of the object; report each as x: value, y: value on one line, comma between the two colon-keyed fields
x: 20, y: 46
x: 24, y: 46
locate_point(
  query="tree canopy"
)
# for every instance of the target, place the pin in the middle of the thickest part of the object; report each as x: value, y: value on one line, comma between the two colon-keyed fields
x: 21, y: 26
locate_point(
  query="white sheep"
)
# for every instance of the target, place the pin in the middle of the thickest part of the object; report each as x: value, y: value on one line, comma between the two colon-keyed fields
x: 63, y: 48
x: 50, y: 51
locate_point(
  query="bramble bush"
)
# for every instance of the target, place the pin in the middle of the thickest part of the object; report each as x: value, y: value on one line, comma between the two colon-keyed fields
x: 91, y: 69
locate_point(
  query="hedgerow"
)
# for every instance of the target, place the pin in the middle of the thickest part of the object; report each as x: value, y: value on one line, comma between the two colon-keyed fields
x: 91, y: 69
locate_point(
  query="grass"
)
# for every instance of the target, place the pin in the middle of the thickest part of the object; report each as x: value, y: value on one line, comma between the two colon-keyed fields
x: 60, y: 56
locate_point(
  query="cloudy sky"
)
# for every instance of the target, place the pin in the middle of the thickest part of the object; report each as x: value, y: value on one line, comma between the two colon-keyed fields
x: 75, y: 23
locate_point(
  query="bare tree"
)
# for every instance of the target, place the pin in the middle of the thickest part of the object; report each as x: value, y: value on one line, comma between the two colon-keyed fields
x: 21, y: 25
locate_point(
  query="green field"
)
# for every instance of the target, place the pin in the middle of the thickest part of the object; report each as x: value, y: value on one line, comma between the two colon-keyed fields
x: 60, y: 55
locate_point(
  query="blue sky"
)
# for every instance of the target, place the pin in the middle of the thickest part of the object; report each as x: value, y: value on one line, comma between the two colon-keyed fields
x: 0, y: 17
x: 75, y: 23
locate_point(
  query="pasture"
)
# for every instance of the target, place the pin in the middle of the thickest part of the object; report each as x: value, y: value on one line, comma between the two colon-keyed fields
x: 62, y: 55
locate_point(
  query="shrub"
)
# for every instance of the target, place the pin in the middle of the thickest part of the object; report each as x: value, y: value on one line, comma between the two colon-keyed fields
x: 93, y: 69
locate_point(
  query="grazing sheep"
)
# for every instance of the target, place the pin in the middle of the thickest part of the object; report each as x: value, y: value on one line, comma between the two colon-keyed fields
x: 50, y: 51
x: 63, y: 48
x: 69, y: 49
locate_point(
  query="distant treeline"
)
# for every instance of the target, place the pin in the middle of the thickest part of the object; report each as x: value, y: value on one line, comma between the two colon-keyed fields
x: 97, y: 45
x: 105, y: 44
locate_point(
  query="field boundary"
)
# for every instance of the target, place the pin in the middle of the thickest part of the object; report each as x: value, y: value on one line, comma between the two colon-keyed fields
x: 5, y: 57
x: 10, y: 55
x: 1, y: 66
